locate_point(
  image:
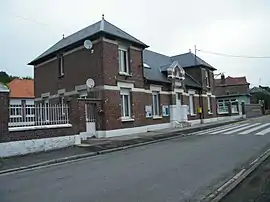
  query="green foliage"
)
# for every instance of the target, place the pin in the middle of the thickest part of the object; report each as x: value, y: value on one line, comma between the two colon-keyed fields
x: 5, y: 78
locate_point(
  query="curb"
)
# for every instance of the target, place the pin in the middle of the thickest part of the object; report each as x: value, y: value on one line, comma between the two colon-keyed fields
x: 232, y: 183
x: 160, y: 138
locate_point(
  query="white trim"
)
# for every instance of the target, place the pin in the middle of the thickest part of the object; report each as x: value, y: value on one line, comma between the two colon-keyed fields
x: 81, y: 87
x: 4, y: 91
x: 191, y: 92
x: 45, y: 95
x: 15, y: 148
x: 45, y: 62
x: 39, y: 127
x: 135, y: 48
x: 125, y: 85
x: 61, y: 91
x: 127, y: 119
x: 109, y: 41
x: 157, y: 117
x: 155, y: 88
x: 133, y: 130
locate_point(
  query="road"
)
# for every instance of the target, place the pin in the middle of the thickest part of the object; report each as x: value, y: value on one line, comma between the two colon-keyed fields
x: 182, y: 169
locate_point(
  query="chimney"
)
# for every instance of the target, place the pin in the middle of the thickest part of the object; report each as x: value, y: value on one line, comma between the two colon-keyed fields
x: 222, y: 78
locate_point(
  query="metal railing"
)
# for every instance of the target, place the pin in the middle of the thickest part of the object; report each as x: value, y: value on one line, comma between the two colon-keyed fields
x: 37, y: 115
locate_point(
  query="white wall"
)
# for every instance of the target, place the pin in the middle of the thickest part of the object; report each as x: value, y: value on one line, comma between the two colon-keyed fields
x: 37, y: 145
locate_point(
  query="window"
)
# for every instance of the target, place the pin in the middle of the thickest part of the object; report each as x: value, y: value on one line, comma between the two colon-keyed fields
x: 191, y: 105
x: 125, y: 103
x: 61, y: 66
x: 123, y: 60
x: 209, y: 104
x: 62, y: 103
x: 156, y: 103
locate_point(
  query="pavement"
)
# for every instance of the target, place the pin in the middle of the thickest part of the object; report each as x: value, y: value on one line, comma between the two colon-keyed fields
x: 255, y: 188
x: 180, y: 169
x: 96, y: 146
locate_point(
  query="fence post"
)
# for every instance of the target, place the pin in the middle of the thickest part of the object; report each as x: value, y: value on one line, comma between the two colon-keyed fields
x: 4, y: 111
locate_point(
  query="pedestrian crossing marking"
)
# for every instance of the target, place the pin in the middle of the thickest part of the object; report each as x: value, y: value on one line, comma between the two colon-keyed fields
x: 213, y: 129
x: 241, y: 128
x: 227, y: 129
x: 263, y: 132
x: 254, y: 129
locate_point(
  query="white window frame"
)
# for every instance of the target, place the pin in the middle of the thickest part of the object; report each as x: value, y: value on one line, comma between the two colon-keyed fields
x: 61, y: 68
x: 191, y: 105
x: 207, y: 78
x: 156, y: 101
x: 209, y: 104
x: 125, y: 115
x: 121, y: 61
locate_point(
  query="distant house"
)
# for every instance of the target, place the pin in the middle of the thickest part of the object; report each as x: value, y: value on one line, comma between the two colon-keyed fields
x: 231, y: 89
x: 259, y: 94
x: 21, y: 101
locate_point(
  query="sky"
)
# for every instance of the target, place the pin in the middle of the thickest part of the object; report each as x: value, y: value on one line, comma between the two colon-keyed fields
x: 233, y: 27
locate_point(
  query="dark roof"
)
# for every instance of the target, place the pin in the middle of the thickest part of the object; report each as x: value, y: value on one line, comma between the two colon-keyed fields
x: 157, y: 63
x: 101, y: 26
x: 189, y: 60
x: 258, y: 90
x: 232, y: 81
x: 3, y: 88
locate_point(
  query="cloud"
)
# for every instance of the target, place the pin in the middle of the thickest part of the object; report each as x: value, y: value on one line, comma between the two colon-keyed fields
x: 170, y: 27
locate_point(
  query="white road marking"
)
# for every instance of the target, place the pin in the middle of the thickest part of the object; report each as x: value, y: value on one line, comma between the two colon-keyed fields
x: 221, y: 131
x: 254, y: 129
x: 242, y: 128
x: 213, y: 129
x: 263, y: 132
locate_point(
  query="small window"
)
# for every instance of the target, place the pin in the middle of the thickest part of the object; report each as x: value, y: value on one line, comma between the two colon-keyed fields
x: 156, y: 103
x: 125, y: 103
x: 61, y: 66
x: 207, y: 78
x: 123, y: 60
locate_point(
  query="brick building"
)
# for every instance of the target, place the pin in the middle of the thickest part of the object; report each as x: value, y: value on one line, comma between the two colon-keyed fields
x: 234, y: 90
x: 136, y: 90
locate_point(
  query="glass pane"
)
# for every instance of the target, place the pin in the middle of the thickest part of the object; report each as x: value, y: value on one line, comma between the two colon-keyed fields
x: 127, y: 107
x: 125, y: 61
x: 122, y: 105
x: 155, y: 105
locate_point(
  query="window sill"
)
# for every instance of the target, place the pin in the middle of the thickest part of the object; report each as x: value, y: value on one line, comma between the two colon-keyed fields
x: 124, y: 74
x: 61, y: 76
x: 157, y: 117
x: 127, y: 119
x: 210, y: 113
x: 192, y: 114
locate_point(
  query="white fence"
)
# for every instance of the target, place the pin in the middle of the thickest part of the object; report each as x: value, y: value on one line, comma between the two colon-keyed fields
x: 37, y: 115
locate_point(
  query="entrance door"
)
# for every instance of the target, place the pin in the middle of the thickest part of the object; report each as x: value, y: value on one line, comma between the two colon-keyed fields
x: 90, y: 113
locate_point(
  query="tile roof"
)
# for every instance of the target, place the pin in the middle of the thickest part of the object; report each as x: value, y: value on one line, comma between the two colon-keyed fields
x: 21, y: 88
x: 232, y: 81
x: 99, y: 27
x: 258, y: 90
x: 156, y: 63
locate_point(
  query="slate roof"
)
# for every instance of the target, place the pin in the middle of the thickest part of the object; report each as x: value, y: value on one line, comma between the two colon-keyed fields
x: 232, y: 81
x: 3, y: 88
x: 189, y: 60
x: 21, y: 88
x: 157, y: 63
x: 99, y: 27
x: 258, y: 90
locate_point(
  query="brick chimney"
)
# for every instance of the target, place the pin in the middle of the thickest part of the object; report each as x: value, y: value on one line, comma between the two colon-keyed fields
x: 223, y: 79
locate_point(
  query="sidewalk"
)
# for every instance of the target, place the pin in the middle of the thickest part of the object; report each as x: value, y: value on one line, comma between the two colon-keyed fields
x: 92, y: 147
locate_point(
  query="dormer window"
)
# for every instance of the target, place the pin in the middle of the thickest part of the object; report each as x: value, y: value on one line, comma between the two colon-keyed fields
x: 123, y: 60
x: 179, y: 73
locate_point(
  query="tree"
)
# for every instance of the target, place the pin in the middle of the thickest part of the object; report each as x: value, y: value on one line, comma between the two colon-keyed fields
x: 4, y: 77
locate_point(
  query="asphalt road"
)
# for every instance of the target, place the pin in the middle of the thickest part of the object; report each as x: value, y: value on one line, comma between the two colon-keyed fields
x: 182, y: 169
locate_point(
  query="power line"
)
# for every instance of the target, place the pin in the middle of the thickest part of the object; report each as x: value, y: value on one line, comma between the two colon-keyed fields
x: 236, y: 56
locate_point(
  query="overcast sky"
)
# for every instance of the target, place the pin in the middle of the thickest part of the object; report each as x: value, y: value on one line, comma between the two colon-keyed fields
x: 236, y: 27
